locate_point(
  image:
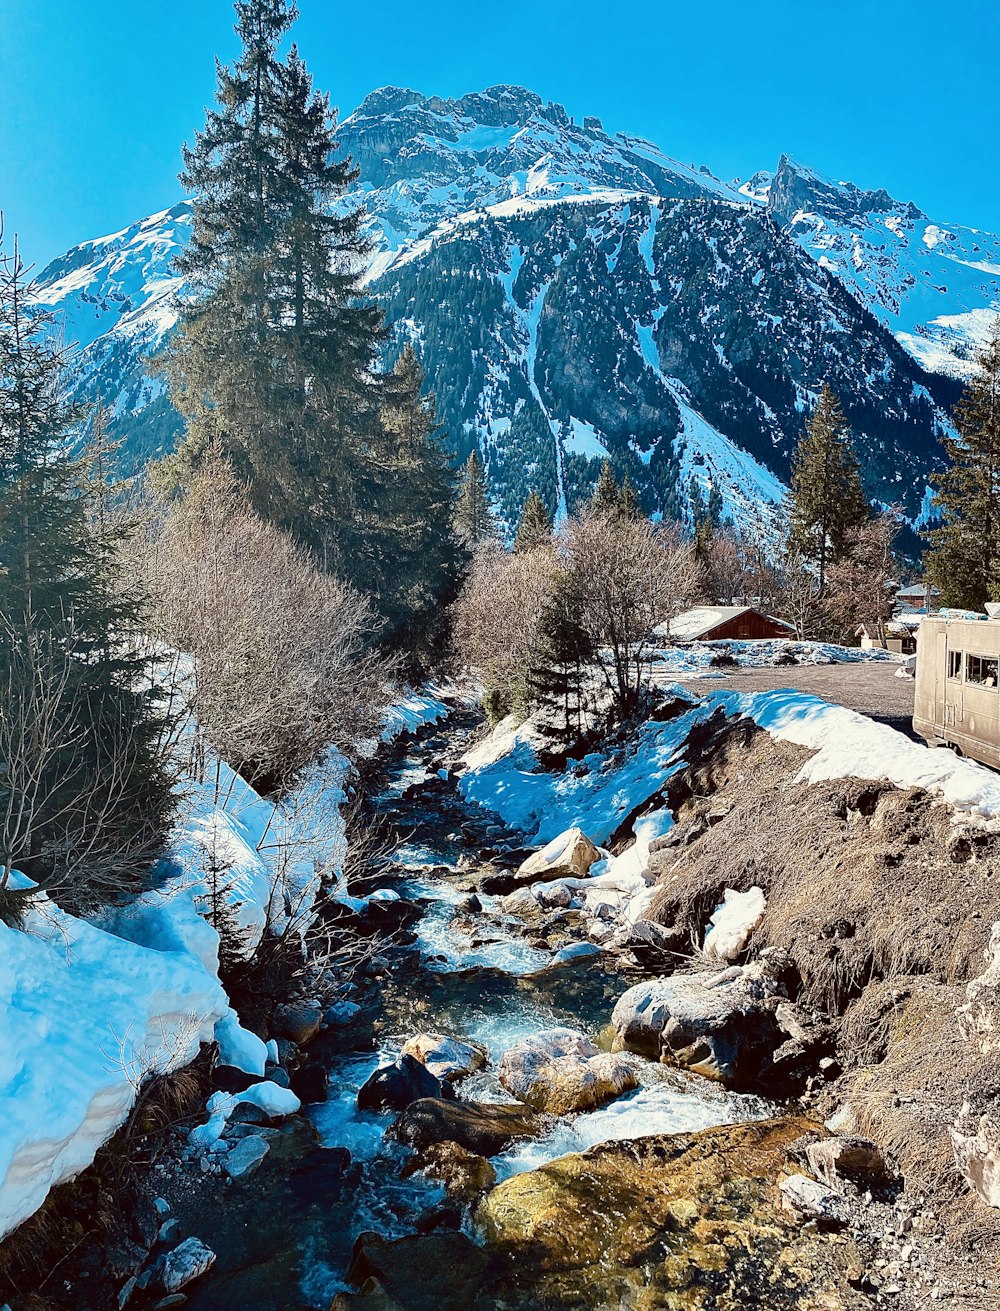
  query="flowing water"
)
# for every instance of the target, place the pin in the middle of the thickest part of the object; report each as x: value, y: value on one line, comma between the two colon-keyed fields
x: 284, y: 1237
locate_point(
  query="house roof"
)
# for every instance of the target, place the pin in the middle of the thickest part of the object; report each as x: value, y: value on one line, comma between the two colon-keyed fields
x: 694, y: 624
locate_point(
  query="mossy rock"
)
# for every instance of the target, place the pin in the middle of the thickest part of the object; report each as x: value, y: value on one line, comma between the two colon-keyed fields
x: 682, y: 1222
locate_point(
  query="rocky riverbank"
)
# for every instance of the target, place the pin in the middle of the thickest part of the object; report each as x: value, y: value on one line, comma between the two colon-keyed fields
x: 709, y: 1057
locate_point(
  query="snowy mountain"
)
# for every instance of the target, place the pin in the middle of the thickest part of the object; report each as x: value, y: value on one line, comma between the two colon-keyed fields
x: 574, y: 293
x: 935, y: 286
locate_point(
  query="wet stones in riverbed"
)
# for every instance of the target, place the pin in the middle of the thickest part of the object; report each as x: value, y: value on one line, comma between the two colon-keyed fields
x: 670, y: 1221
x: 448, y: 1059
x: 298, y: 1024
x: 465, y: 1175
x: 483, y: 1128
x: 560, y: 1072
x: 393, y: 1087
x: 432, y: 1272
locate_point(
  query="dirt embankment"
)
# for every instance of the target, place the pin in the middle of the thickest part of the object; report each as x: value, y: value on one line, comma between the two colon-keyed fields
x: 885, y: 902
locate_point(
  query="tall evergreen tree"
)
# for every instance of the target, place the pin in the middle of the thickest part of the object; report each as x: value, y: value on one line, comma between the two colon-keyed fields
x: 419, y: 573
x: 275, y: 360
x: 964, y: 559
x: 628, y: 499
x: 605, y: 498
x: 85, y: 795
x: 474, y: 520
x: 535, y: 526
x: 828, y: 502
x: 557, y: 679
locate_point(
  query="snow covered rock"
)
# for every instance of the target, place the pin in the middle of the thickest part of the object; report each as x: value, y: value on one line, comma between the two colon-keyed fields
x: 559, y: 1071
x: 446, y: 1058
x: 569, y: 854
x: 732, y: 923
x: 85, y: 1016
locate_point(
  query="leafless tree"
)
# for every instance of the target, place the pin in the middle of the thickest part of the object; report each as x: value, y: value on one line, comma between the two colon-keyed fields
x: 498, y: 613
x: 627, y: 575
x: 861, y: 587
x: 282, y: 662
x: 62, y: 776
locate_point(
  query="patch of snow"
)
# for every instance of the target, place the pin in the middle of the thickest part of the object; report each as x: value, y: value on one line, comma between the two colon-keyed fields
x: 848, y: 744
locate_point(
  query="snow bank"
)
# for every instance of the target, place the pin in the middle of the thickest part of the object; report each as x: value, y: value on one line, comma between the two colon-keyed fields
x: 696, y: 659
x: 411, y: 711
x: 85, y: 1016
x: 849, y: 744
x: 733, y: 921
x: 596, y: 794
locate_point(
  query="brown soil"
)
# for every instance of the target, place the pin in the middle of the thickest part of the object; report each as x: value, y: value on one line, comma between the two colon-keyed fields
x: 885, y: 903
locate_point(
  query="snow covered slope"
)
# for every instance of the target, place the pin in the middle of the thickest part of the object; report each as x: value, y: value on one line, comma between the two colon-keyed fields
x: 935, y: 285
x: 723, y: 306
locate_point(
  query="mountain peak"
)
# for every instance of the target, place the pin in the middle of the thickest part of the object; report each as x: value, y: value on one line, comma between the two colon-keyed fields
x: 796, y: 188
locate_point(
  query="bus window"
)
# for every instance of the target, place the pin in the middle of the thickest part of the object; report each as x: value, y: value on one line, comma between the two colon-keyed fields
x: 982, y: 670
x: 955, y: 664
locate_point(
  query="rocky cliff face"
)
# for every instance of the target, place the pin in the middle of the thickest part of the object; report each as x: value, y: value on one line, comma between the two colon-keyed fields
x: 575, y: 294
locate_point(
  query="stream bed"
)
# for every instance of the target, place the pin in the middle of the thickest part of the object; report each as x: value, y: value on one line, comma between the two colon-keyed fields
x: 284, y: 1236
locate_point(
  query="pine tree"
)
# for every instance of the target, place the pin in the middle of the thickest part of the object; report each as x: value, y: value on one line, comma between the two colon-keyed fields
x: 418, y: 575
x: 605, y: 498
x: 535, y: 526
x: 557, y: 679
x: 474, y: 520
x: 964, y: 559
x: 628, y: 500
x: 85, y: 795
x: 827, y: 498
x: 275, y: 360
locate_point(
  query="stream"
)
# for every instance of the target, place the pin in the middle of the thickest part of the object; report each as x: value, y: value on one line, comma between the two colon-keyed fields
x: 284, y: 1236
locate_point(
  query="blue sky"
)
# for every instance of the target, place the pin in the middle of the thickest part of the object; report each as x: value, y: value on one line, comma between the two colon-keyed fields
x: 96, y: 96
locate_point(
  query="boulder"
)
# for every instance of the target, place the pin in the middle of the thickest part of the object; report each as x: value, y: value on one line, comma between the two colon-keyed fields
x: 809, y: 1200
x: 299, y: 1024
x: 465, y: 1176
x: 856, y: 1159
x: 552, y: 896
x: 975, y: 1139
x: 422, y: 1272
x: 719, y: 1025
x: 446, y: 1058
x: 309, y: 1082
x: 186, y: 1263
x: 559, y: 1071
x: 570, y: 855
x: 979, y: 1017
x: 521, y: 901
x: 484, y: 1128
x: 394, y: 1087
x: 245, y: 1156
x: 668, y: 1221
x: 341, y: 1013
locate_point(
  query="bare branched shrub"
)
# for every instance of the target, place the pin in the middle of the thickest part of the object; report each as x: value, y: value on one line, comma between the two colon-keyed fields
x: 861, y: 588
x: 497, y: 618
x: 282, y: 664
x: 627, y: 576
x: 67, y: 760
